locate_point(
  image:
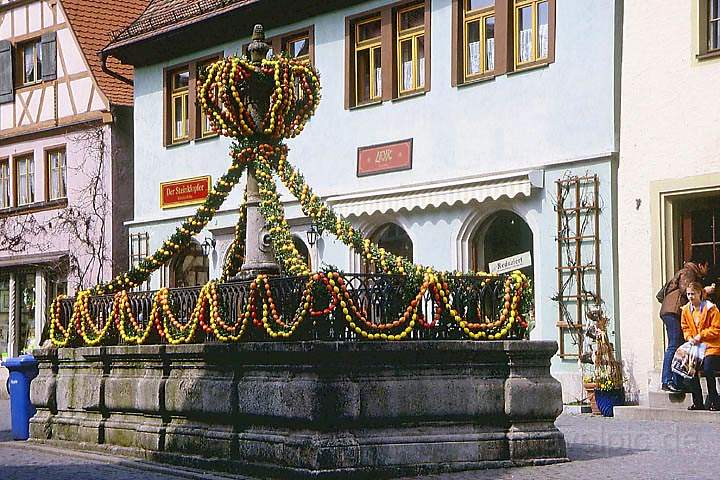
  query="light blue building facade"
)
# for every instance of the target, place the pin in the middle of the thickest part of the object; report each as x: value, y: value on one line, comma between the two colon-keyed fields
x: 482, y: 146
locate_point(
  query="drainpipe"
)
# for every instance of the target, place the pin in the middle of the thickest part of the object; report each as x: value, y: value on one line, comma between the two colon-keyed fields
x: 103, y: 63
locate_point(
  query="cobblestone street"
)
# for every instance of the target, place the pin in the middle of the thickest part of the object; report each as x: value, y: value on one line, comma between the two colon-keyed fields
x: 598, y: 447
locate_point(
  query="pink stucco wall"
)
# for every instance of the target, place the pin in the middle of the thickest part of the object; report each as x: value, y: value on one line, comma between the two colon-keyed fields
x: 85, y: 150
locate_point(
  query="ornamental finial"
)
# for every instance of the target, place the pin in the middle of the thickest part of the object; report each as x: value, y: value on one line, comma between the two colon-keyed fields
x: 258, y: 48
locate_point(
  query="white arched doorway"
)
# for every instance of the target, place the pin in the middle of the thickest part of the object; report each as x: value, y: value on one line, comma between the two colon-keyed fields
x: 394, y: 239
x: 302, y: 250
x: 190, y: 267
x: 501, y: 235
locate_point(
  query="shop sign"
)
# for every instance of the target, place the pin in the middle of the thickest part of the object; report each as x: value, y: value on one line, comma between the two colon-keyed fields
x: 385, y: 157
x: 509, y: 264
x: 187, y: 191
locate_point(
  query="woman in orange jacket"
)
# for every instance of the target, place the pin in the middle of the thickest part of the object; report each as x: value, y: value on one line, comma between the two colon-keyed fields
x: 700, y: 321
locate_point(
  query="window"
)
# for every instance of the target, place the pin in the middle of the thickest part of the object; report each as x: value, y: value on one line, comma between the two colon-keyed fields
x: 139, y: 249
x: 478, y: 37
x: 368, y: 61
x: 31, y: 60
x: 57, y: 174
x: 4, y: 314
x: 180, y: 88
x: 184, y: 119
x: 713, y: 24
x: 206, y: 129
x: 531, y: 31
x: 26, y: 328
x: 298, y: 47
x: 388, y: 53
x: 5, y: 183
x: 494, y: 37
x: 411, y: 49
x: 25, y: 175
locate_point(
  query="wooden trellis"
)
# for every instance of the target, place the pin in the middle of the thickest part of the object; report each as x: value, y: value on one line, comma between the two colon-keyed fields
x: 578, y: 263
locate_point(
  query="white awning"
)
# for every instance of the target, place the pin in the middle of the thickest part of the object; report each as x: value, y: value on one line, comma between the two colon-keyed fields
x: 466, y: 190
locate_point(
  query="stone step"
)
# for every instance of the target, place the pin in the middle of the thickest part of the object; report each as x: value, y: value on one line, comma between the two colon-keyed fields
x: 679, y: 401
x: 663, y: 399
x: 666, y: 414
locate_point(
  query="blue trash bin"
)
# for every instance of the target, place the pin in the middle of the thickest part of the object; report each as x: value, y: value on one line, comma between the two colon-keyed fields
x: 22, y: 370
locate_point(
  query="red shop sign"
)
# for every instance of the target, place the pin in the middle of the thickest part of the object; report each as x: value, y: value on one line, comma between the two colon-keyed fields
x: 187, y: 191
x: 383, y: 158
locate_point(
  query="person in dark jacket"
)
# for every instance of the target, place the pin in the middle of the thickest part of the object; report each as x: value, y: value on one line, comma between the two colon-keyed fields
x: 670, y: 309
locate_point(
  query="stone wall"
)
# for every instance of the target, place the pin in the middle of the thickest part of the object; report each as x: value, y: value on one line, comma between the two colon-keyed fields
x: 307, y: 409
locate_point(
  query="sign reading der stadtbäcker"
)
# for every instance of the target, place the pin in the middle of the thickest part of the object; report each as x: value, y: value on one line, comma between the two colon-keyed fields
x: 187, y: 191
x: 511, y: 263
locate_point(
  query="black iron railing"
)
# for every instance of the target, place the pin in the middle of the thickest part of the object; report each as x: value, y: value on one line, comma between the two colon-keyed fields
x: 378, y: 299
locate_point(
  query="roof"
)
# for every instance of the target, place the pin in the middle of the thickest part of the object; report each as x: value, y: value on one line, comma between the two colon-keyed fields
x: 174, y: 28
x: 93, y: 22
x: 161, y: 14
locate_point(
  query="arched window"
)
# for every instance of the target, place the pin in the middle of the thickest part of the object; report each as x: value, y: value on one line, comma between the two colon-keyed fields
x: 393, y: 239
x: 302, y: 250
x: 190, y: 267
x: 502, y: 235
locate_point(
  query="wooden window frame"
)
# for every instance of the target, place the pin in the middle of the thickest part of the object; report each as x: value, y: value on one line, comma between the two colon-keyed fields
x: 517, y: 5
x: 411, y: 34
x: 480, y: 15
x: 16, y: 178
x: 505, y: 41
x: 370, y: 45
x: 182, y: 93
x: 704, y: 28
x: 48, y: 172
x: 194, y: 113
x: 139, y: 245
x: 278, y: 43
x: 36, y: 43
x: 7, y: 180
x: 389, y: 52
x: 200, y: 127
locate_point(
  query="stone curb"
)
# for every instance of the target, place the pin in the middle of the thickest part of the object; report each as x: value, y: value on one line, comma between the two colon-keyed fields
x: 144, y: 465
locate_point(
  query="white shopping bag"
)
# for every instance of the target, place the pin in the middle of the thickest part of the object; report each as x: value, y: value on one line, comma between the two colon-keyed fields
x: 688, y: 359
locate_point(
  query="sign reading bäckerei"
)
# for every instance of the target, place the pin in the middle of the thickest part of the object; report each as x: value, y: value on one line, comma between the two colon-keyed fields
x: 187, y: 191
x: 511, y: 263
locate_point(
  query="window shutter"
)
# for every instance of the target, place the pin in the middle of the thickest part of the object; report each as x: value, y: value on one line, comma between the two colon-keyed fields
x: 7, y: 87
x: 49, y: 56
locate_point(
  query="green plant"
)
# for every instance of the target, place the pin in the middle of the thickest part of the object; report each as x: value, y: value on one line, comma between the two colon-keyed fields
x: 608, y: 377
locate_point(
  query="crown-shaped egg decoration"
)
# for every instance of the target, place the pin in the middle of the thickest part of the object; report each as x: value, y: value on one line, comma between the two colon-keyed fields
x: 258, y: 96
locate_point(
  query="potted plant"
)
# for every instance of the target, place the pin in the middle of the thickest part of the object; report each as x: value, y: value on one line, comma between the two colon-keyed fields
x: 609, y: 392
x: 589, y: 385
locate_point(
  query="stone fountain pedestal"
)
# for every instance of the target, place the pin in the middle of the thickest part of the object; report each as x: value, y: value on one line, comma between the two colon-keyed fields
x: 307, y: 409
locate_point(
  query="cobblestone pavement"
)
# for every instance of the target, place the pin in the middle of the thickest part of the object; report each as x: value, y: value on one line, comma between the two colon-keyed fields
x: 598, y: 447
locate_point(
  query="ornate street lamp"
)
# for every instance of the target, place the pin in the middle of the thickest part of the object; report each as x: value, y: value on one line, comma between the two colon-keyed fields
x: 313, y: 234
x: 208, y: 246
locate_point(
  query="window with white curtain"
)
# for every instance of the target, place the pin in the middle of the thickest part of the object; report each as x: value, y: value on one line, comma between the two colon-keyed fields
x: 411, y: 48
x: 479, y: 37
x: 5, y: 183
x: 25, y: 185
x: 57, y: 170
x: 531, y: 31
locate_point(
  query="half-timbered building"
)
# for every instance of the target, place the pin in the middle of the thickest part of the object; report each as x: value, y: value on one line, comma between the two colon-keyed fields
x: 66, y: 150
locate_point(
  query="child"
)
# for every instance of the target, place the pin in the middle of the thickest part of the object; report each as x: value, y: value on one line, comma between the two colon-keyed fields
x: 700, y: 321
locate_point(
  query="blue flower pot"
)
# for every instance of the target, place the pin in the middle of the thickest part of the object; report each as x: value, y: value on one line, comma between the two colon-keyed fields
x: 608, y: 399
